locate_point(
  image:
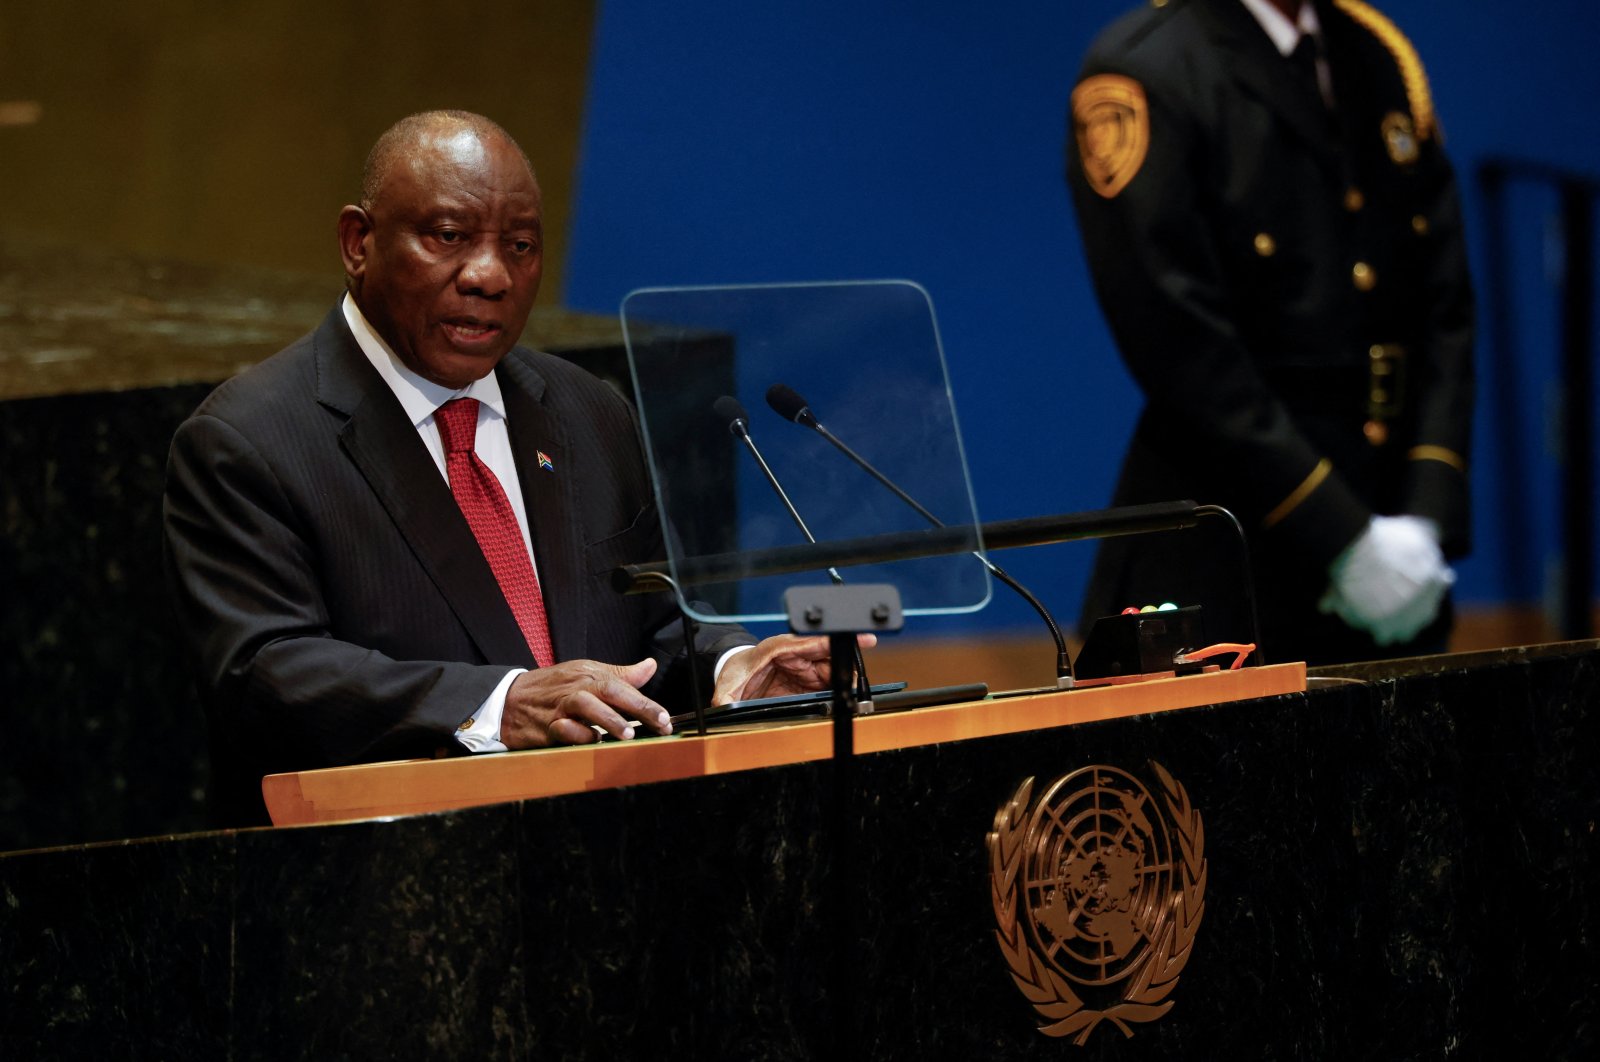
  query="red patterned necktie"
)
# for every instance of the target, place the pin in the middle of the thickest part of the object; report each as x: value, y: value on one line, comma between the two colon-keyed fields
x: 483, y: 502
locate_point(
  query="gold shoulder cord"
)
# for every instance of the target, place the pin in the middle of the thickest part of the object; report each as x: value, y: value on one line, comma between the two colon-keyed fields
x: 1405, y: 56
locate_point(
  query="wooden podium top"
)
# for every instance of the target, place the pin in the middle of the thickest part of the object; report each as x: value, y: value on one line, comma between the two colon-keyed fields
x: 408, y: 787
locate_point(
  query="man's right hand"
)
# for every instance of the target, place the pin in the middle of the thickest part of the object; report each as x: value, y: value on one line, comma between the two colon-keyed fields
x: 563, y: 703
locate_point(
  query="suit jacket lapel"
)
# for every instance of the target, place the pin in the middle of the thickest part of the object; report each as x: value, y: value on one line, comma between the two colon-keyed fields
x: 1261, y: 70
x: 382, y: 442
x: 552, y: 502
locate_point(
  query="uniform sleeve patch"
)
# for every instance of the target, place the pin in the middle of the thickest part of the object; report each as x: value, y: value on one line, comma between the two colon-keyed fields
x: 1112, y: 125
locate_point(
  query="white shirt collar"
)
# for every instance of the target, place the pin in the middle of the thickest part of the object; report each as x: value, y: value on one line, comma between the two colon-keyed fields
x: 1285, y: 34
x: 418, y: 396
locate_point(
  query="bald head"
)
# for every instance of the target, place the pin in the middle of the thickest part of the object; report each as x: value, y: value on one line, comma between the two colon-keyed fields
x: 405, y: 138
x: 444, y: 254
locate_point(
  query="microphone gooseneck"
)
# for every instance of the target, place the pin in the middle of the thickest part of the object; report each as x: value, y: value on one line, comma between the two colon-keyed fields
x: 732, y: 410
x: 791, y: 405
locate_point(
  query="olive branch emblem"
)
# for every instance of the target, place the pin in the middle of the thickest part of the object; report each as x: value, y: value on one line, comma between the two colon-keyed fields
x: 1166, y: 951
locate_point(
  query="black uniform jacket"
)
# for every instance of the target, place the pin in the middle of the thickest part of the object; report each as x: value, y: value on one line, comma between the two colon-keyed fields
x: 1264, y: 246
x: 333, y: 596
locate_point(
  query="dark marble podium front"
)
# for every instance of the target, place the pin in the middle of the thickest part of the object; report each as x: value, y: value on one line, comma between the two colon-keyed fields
x: 1402, y: 864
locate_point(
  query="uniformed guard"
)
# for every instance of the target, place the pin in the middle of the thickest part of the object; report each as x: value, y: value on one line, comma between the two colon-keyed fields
x: 1275, y: 238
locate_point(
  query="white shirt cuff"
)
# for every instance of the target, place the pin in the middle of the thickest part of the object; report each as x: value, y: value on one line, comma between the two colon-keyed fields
x: 481, y: 733
x: 716, y: 672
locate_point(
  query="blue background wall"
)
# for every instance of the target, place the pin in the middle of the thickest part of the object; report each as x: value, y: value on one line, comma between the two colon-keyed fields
x: 732, y: 143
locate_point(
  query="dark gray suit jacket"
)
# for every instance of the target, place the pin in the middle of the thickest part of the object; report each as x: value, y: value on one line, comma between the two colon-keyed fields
x: 334, y: 600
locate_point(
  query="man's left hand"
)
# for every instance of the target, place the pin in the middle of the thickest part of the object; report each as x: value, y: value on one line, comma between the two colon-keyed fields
x: 1391, y: 580
x: 777, y: 666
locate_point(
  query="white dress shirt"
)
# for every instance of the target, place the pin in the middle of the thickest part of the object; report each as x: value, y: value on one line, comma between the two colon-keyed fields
x: 1286, y: 35
x: 420, y: 399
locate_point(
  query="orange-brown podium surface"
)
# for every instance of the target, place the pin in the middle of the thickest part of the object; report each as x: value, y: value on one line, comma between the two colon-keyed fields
x: 413, y: 786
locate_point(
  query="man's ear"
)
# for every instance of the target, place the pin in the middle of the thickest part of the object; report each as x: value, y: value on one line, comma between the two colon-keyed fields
x: 355, y: 226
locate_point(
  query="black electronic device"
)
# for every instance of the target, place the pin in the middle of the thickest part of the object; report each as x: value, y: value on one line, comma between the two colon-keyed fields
x: 1141, y: 643
x: 788, y: 706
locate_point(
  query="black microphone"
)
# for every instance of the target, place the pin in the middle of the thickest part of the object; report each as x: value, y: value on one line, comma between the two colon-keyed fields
x: 732, y: 410
x: 787, y: 403
x: 790, y: 405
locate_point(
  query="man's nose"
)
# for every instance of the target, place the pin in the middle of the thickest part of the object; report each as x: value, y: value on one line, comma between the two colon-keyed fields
x: 484, y: 272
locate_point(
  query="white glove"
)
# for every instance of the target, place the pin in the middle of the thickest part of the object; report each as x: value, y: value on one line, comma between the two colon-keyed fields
x: 1390, y: 580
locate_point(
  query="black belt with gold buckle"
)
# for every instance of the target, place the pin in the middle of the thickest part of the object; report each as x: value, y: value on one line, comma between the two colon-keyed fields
x: 1386, y: 389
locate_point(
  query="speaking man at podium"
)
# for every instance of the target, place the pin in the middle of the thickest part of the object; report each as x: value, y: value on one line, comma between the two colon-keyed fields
x: 1275, y: 238
x: 391, y: 539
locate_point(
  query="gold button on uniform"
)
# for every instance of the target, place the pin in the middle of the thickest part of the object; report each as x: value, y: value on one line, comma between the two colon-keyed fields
x: 1354, y: 200
x: 1265, y: 245
x: 1363, y: 277
x: 1419, y: 225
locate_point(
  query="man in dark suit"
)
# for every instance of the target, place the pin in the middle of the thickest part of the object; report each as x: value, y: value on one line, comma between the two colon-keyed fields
x: 1275, y: 239
x: 392, y: 538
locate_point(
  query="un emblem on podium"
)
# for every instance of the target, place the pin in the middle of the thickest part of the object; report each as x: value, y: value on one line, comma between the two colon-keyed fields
x: 1098, y: 890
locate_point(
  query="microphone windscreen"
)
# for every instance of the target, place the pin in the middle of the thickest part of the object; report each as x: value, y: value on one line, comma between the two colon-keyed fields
x: 729, y: 409
x: 786, y: 402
